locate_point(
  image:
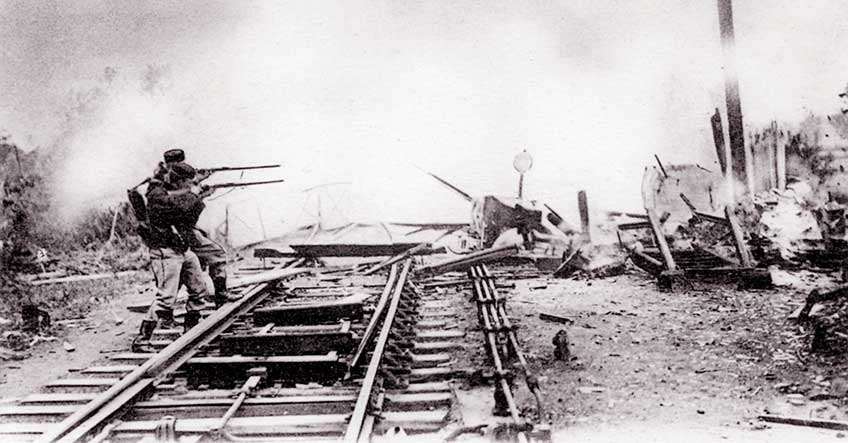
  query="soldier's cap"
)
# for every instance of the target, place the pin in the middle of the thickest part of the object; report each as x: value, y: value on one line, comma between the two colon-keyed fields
x: 183, y: 170
x: 174, y: 156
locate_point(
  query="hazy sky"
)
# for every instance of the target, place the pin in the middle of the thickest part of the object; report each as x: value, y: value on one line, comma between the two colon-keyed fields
x: 362, y: 91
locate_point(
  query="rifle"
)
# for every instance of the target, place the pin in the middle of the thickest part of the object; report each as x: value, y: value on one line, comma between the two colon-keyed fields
x: 238, y: 185
x: 218, y: 169
x: 236, y: 168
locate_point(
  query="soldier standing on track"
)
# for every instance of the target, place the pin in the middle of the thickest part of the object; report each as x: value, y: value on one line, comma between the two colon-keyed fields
x: 212, y: 256
x: 172, y: 215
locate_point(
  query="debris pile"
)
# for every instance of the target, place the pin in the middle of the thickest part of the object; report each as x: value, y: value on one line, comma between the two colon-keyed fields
x: 593, y: 261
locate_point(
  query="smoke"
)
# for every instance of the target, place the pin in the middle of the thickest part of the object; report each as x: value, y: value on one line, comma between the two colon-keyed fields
x: 362, y: 91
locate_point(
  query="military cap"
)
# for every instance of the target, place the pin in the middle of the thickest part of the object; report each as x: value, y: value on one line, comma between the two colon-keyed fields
x: 183, y: 170
x: 174, y: 156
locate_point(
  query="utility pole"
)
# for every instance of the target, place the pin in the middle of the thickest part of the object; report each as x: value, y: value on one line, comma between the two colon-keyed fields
x: 735, y: 128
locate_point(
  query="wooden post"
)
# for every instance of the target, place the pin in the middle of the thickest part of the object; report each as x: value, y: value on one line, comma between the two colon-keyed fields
x: 781, y: 165
x: 718, y: 139
x: 735, y: 128
x: 583, y: 206
x: 520, y: 186
x: 773, y: 154
x: 738, y: 237
x: 656, y: 228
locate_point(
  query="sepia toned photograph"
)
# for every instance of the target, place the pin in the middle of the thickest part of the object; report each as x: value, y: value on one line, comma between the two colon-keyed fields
x: 433, y: 221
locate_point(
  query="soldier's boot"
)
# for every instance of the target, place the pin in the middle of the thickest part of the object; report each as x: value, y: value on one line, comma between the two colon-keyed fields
x: 191, y: 319
x: 166, y: 319
x: 141, y: 342
x: 221, y: 294
x: 220, y: 285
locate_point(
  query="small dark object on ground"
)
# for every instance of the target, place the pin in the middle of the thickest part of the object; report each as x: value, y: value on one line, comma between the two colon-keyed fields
x: 34, y: 318
x: 560, y: 342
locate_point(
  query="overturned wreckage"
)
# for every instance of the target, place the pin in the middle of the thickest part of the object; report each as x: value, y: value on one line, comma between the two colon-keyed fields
x: 704, y: 247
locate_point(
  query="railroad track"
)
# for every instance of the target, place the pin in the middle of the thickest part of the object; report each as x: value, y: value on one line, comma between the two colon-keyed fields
x: 309, y: 355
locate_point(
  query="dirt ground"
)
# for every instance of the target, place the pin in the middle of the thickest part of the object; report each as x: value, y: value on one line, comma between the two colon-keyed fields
x: 108, y: 326
x: 652, y: 366
x: 647, y: 366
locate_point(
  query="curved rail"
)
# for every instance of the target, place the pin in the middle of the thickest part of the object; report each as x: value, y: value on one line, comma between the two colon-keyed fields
x: 357, y: 421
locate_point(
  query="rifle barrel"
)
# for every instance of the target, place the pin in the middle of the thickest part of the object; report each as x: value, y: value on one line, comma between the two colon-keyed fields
x: 240, y: 184
x: 239, y: 168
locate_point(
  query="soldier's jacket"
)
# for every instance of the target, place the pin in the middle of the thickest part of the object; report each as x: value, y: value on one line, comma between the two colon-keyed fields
x: 172, y: 217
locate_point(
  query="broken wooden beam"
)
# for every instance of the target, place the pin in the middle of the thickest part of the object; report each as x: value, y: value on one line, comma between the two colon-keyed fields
x: 469, y: 260
x: 814, y: 423
x: 583, y: 207
x: 738, y: 238
x: 634, y: 225
x: 266, y: 276
x: 718, y: 140
x: 273, y: 253
x: 555, y: 318
x: 398, y: 257
x: 659, y: 236
x: 355, y: 250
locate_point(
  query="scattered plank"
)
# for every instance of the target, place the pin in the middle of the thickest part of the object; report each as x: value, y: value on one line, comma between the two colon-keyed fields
x: 266, y: 276
x: 354, y: 250
x: 555, y: 318
x: 80, y: 278
x: 813, y: 423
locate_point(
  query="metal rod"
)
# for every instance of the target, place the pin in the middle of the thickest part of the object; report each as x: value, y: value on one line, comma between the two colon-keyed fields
x: 462, y: 193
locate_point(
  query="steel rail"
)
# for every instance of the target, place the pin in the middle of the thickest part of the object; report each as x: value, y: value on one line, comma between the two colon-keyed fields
x: 375, y: 319
x: 103, y: 407
x: 529, y: 378
x: 486, y: 310
x: 353, y: 433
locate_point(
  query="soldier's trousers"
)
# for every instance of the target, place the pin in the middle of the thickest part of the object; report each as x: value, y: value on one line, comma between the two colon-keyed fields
x: 211, y: 256
x: 171, y: 269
